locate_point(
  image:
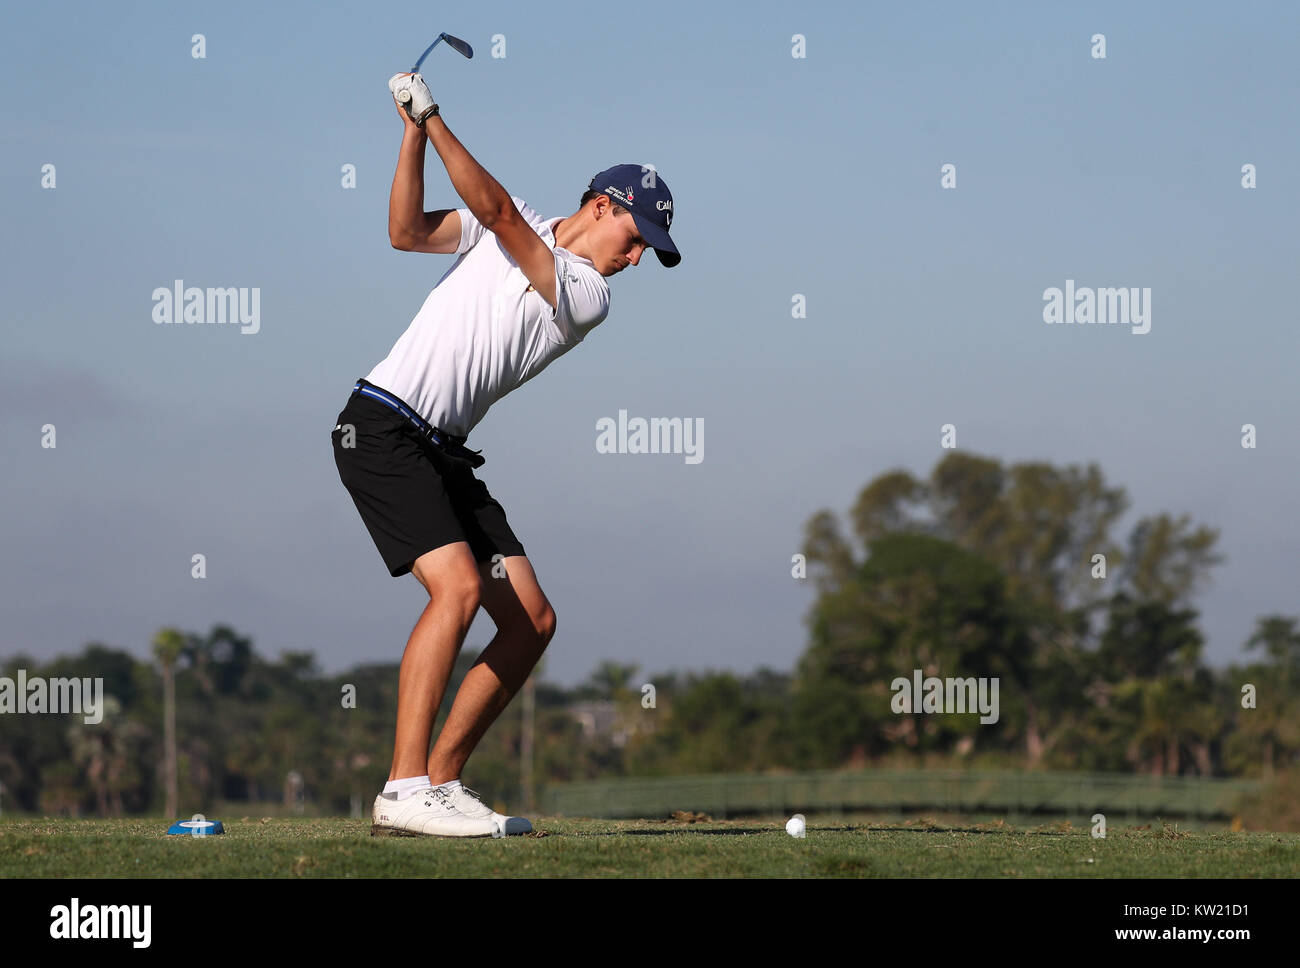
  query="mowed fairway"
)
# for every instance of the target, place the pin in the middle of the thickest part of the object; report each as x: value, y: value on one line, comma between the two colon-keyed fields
x: 640, y: 848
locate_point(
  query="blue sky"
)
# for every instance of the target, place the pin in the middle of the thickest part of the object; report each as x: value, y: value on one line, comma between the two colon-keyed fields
x: 817, y: 176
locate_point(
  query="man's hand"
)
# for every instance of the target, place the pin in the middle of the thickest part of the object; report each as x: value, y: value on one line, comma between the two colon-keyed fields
x: 411, y: 127
x: 412, y: 95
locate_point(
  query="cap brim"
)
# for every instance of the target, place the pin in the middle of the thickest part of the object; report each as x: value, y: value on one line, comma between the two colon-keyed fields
x: 659, y: 241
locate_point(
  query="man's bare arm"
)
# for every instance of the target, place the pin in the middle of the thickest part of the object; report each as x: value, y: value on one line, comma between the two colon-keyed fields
x: 491, y: 205
x: 410, y: 227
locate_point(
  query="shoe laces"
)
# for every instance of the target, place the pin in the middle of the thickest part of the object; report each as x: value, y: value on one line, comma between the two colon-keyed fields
x: 472, y: 794
x: 442, y: 796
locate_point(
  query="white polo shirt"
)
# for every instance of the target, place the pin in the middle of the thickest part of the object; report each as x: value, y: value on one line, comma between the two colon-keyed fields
x: 484, y: 330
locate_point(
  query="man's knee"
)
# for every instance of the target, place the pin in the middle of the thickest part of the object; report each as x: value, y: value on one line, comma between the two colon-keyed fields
x: 464, y: 592
x: 537, y: 623
x: 452, y: 581
x: 544, y: 624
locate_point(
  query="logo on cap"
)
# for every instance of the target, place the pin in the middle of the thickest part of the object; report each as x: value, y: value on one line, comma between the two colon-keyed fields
x: 623, y: 196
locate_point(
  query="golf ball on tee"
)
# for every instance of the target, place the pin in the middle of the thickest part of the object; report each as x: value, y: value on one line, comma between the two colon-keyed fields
x: 795, y: 826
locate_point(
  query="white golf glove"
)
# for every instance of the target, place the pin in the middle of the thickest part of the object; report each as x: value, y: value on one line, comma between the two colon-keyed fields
x: 410, y: 91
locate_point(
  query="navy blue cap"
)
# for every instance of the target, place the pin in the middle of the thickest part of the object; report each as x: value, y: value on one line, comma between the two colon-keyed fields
x: 640, y: 190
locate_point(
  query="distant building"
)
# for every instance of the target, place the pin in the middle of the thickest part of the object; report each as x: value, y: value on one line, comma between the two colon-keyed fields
x: 602, y: 719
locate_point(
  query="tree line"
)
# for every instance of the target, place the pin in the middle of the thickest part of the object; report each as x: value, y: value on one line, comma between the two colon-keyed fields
x: 979, y: 571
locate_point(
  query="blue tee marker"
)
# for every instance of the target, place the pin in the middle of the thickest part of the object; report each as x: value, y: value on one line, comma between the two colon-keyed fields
x: 199, y: 826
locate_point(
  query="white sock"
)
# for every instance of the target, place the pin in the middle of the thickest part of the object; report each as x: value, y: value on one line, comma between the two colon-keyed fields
x: 407, y: 787
x: 451, y: 784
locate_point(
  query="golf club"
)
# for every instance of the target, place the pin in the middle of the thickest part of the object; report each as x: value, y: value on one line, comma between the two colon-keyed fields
x: 455, y: 43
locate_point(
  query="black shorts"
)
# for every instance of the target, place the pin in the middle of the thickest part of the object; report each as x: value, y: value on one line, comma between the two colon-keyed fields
x: 412, y: 495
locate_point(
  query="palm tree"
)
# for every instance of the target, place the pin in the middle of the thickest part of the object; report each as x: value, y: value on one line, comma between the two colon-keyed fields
x: 1277, y: 637
x: 609, y: 680
x: 167, y: 647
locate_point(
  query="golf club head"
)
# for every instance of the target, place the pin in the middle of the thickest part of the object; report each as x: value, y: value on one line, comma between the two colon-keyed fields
x: 458, y: 45
x: 455, y: 43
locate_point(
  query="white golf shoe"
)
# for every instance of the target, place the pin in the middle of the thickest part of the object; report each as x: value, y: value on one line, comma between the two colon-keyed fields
x: 471, y: 805
x: 429, y: 813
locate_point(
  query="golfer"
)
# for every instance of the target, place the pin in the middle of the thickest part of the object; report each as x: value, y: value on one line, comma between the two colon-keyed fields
x: 522, y: 292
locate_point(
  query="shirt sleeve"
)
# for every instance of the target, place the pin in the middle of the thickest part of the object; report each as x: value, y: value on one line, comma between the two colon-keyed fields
x: 471, y: 230
x: 581, y: 299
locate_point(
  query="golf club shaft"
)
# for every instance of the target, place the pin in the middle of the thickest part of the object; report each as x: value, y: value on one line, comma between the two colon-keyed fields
x: 427, y: 51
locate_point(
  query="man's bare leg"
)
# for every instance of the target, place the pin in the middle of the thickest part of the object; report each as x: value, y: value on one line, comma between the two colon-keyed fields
x: 451, y: 577
x: 525, y: 624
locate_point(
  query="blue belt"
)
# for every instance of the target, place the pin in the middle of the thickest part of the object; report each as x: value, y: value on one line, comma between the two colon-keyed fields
x: 439, y: 437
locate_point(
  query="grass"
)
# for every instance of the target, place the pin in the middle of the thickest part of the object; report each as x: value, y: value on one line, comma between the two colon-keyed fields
x: 843, y: 847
